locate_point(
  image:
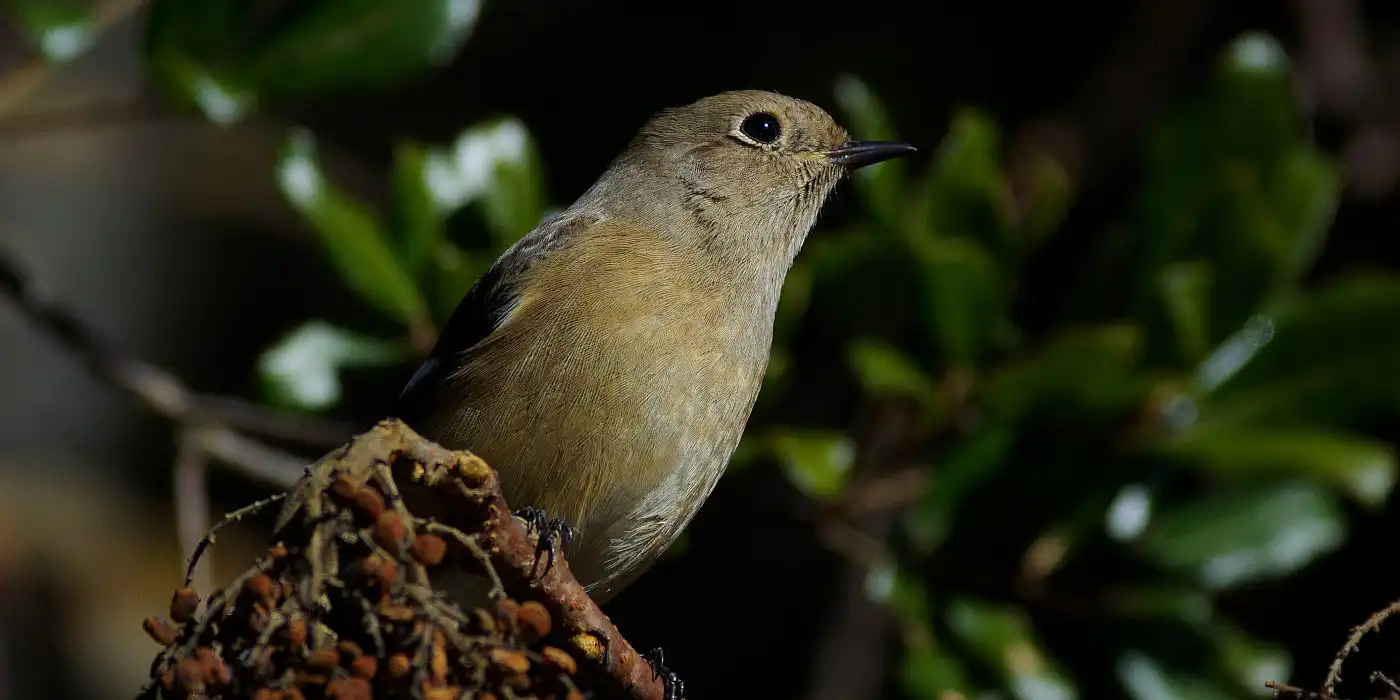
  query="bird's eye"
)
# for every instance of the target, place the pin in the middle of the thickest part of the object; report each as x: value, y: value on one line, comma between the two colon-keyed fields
x: 761, y: 127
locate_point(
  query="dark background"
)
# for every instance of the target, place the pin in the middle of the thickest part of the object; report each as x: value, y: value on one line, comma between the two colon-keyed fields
x: 168, y: 236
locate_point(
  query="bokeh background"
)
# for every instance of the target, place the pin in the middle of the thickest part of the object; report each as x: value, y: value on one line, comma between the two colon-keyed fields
x: 1097, y: 396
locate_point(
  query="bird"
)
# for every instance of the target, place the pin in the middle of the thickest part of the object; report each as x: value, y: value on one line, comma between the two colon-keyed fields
x: 607, y: 363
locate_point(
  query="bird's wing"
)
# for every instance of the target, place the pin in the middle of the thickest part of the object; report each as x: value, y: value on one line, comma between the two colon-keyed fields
x: 482, y: 310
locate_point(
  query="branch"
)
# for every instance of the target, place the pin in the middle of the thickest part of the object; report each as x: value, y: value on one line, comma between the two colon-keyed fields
x: 472, y: 493
x: 141, y: 109
x: 1373, y: 623
x: 851, y: 651
x: 346, y: 581
x: 164, y: 394
x: 17, y: 85
x: 208, y: 425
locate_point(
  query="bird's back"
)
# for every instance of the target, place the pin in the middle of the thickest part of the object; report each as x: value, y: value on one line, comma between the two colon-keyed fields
x: 612, y: 393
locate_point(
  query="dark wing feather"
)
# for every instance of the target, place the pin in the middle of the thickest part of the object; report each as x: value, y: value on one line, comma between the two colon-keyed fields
x: 480, y: 312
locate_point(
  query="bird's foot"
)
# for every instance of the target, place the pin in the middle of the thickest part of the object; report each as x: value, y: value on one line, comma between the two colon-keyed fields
x: 672, y: 683
x: 551, y: 533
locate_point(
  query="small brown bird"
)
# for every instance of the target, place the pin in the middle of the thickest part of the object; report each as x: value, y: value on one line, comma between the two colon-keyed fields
x: 607, y: 363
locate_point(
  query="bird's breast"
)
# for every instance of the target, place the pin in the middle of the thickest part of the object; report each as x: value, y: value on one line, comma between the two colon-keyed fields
x: 612, y: 397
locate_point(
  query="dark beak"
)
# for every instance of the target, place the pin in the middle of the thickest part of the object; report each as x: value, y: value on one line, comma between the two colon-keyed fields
x: 858, y: 154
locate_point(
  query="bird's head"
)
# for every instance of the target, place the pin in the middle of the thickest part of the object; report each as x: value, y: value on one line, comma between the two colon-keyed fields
x: 747, y: 171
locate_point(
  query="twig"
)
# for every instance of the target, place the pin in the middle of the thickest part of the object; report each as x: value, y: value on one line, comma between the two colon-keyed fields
x: 1334, y: 675
x: 159, y: 390
x: 886, y: 492
x: 1378, y: 677
x: 1281, y: 689
x: 204, y: 422
x: 208, y: 538
x: 252, y: 418
x: 253, y: 459
x: 19, y: 84
x: 141, y: 109
x: 164, y: 394
x: 849, y: 660
x: 498, y: 589
x: 858, y: 548
x: 192, y: 513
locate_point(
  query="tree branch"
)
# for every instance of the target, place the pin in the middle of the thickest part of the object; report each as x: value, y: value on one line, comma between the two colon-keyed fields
x: 208, y: 425
x: 471, y: 491
x: 348, y: 567
x: 17, y: 85
x: 164, y: 394
x: 851, y: 654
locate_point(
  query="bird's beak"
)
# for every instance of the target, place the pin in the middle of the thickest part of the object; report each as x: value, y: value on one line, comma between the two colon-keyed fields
x: 858, y: 154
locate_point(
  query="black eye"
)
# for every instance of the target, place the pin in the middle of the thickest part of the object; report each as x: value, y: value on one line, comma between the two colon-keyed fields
x: 761, y: 127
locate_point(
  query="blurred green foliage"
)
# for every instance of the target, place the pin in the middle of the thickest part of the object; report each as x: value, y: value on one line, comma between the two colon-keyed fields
x: 1221, y: 371
x: 402, y: 263
x: 1217, y: 368
x: 226, y: 56
x: 1200, y: 415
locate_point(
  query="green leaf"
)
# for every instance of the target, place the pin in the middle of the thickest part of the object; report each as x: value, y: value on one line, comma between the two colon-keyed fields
x: 349, y: 232
x: 1250, y: 662
x: 180, y: 35
x: 818, y: 463
x: 1079, y: 369
x: 1327, y: 358
x: 1364, y: 468
x: 1234, y: 353
x: 966, y: 466
x: 1002, y: 637
x: 1145, y: 679
x: 218, y: 97
x: 496, y: 166
x: 885, y: 371
x: 334, y: 45
x: 965, y: 300
x: 1186, y: 291
x: 882, y: 186
x: 1232, y: 538
x: 903, y: 592
x: 1233, y: 184
x: 270, y: 52
x: 419, y: 226
x: 965, y: 194
x: 302, y: 370
x: 1164, y: 602
x: 1129, y: 512
x: 59, y: 28
x: 457, y: 271
x: 1305, y: 190
x: 928, y: 672
x: 1050, y: 190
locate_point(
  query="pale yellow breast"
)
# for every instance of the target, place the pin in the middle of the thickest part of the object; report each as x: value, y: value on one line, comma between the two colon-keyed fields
x: 614, y: 393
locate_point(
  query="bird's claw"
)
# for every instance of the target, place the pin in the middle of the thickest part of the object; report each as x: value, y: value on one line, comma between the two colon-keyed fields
x: 551, y: 533
x: 674, y: 687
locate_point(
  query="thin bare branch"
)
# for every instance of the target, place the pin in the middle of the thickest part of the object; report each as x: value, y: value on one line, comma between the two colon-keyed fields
x: 1373, y: 623
x: 17, y: 85
x: 192, y: 497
